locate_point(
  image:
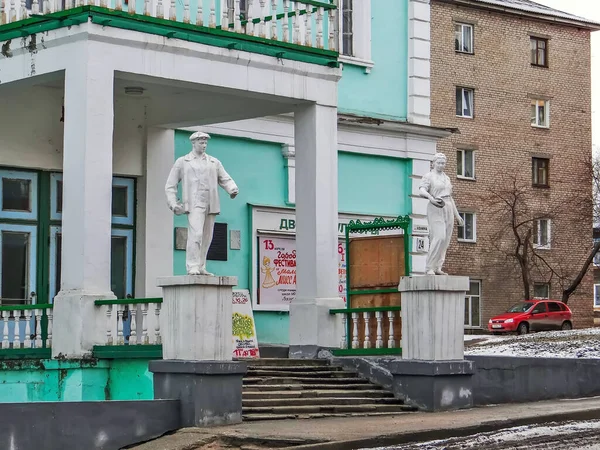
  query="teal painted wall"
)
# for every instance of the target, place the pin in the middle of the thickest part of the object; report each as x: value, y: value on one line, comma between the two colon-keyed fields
x: 259, y: 170
x: 52, y: 380
x: 382, y: 93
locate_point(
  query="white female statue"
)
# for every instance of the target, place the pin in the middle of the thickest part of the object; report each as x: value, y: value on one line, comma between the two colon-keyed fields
x: 441, y: 210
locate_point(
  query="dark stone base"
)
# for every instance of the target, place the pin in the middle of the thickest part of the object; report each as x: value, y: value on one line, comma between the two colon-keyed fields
x: 210, y: 392
x: 433, y: 385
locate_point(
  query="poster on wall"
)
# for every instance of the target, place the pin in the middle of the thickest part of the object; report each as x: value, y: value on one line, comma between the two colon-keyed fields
x: 245, y: 343
x: 277, y: 270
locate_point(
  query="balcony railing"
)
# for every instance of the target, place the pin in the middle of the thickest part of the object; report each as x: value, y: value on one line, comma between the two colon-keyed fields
x: 26, y: 331
x: 311, y: 24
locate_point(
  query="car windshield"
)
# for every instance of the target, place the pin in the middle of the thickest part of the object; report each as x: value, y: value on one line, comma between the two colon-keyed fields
x: 520, y: 307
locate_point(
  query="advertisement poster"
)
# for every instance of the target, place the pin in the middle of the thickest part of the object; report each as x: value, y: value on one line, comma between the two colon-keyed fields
x: 245, y: 343
x: 277, y: 270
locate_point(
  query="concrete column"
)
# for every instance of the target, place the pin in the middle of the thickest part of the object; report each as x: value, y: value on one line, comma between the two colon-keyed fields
x: 87, y: 196
x: 311, y: 325
x: 154, y: 240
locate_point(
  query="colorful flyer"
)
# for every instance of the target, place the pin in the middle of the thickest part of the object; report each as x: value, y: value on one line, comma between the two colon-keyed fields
x: 245, y: 343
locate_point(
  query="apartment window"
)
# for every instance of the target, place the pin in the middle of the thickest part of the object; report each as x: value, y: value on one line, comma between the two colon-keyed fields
x: 467, y: 232
x: 355, y: 33
x: 597, y: 255
x: 473, y: 304
x: 347, y: 28
x: 539, y: 52
x: 540, y: 113
x: 464, y: 102
x: 463, y: 38
x: 541, y: 233
x: 541, y: 290
x: 540, y: 171
x: 465, y: 164
x: 597, y: 296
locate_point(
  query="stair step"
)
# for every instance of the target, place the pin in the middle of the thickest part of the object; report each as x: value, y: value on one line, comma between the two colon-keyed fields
x: 315, y: 393
x: 288, y: 362
x: 253, y: 373
x: 255, y: 417
x: 308, y: 387
x: 303, y: 368
x: 303, y: 380
x: 332, y: 401
x: 325, y: 409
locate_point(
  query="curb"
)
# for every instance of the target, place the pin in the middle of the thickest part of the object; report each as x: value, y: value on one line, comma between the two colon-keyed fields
x: 438, y: 434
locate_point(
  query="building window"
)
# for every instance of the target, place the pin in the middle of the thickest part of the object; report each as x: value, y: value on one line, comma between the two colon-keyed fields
x: 541, y: 290
x: 467, y: 232
x: 465, y: 164
x: 355, y: 33
x: 347, y: 28
x: 463, y: 38
x: 473, y: 304
x: 540, y: 171
x: 540, y: 113
x: 539, y: 52
x: 541, y: 233
x: 464, y: 102
x: 597, y: 296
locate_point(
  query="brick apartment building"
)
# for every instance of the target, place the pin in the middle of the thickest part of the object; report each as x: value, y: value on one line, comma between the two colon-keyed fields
x: 514, y: 78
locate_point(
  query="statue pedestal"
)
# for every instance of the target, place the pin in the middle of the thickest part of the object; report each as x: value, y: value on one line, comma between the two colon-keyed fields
x: 433, y: 374
x: 197, y: 367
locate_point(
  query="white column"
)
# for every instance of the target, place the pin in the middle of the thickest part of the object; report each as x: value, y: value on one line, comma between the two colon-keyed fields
x: 87, y: 196
x: 311, y: 325
x: 154, y: 246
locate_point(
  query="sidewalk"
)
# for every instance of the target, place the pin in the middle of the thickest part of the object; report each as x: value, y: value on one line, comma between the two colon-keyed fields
x: 356, y: 433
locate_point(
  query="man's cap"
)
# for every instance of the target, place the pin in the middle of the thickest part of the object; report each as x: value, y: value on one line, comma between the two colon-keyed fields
x: 199, y: 135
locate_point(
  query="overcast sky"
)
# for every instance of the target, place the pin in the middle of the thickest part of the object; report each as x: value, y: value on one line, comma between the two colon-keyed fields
x: 589, y: 9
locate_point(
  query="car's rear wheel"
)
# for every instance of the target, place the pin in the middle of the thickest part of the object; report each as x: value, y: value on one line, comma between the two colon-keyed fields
x: 523, y: 328
x: 566, y: 326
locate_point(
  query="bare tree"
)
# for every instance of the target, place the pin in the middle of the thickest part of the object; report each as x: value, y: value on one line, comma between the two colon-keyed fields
x: 515, y: 207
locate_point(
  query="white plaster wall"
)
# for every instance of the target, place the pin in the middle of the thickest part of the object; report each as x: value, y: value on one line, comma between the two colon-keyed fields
x: 32, y: 132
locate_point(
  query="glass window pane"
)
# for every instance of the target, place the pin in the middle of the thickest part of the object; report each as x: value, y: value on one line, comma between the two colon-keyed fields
x: 459, y: 108
x: 467, y: 38
x: 15, y: 265
x: 468, y: 102
x: 59, y: 196
x: 16, y: 195
x: 467, y: 314
x: 469, y: 163
x: 118, y: 267
x: 119, y: 201
x: 475, y: 311
x: 533, y: 51
x: 533, y: 116
x: 541, y: 114
x: 468, y: 226
x: 474, y: 288
x: 459, y: 165
x: 457, y: 37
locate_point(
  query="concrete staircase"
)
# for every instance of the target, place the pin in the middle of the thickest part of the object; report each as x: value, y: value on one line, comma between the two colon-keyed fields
x: 278, y: 388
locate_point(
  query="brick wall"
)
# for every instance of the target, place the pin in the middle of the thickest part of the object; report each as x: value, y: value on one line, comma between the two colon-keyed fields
x: 504, y: 142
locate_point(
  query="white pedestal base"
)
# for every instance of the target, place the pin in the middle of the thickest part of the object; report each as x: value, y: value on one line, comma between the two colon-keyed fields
x: 196, y: 317
x: 433, y: 309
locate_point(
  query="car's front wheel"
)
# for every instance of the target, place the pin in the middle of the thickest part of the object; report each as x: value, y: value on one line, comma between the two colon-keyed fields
x: 523, y: 328
x: 566, y: 326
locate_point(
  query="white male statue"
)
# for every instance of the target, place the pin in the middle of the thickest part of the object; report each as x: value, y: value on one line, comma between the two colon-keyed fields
x: 200, y: 175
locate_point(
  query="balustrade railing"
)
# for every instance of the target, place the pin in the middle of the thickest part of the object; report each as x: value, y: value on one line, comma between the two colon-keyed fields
x: 26, y: 326
x: 372, y: 331
x: 132, y: 321
x: 309, y: 23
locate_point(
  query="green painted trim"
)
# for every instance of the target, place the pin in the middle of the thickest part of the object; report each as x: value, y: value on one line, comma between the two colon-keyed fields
x: 359, y: 310
x: 26, y: 353
x: 170, y: 29
x: 374, y: 291
x: 290, y: 14
x: 127, y: 351
x: 366, y: 351
x: 26, y: 307
x: 128, y: 301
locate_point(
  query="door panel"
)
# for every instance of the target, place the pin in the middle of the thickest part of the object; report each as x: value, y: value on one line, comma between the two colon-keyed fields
x: 539, y: 317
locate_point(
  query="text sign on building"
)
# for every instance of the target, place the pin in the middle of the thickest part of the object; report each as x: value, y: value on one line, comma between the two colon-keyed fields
x: 277, y: 270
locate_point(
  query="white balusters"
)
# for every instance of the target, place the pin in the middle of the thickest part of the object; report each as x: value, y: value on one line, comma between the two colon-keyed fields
x: 367, y: 341
x: 172, y: 11
x: 145, y: 339
x: 286, y: 20
x: 186, y: 11
x: 237, y: 22
x: 212, y: 18
x: 344, y: 341
x: 274, y: 19
x: 46, y: 6
x: 308, y: 25
x: 27, y: 337
x: 2, y: 12
x: 131, y: 6
x: 379, y: 339
x: 333, y: 27
x: 157, y: 337
x: 261, y: 24
x: 319, y: 22
x: 147, y: 6
x: 109, y: 325
x: 17, y: 332
x: 23, y: 10
x: 160, y: 8
x: 355, y: 330
x: 120, y: 312
x: 49, y: 314
x: 38, y: 328
x: 5, y: 341
x: 391, y: 340
x: 35, y: 7
x: 12, y: 12
x: 133, y: 325
x: 200, y: 14
x: 225, y: 17
x: 249, y: 23
x: 69, y: 4
x: 296, y: 24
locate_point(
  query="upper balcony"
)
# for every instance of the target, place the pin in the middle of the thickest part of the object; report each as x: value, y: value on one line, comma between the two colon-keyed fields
x: 305, y: 31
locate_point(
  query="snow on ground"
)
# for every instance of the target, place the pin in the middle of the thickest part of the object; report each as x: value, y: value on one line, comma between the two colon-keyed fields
x: 584, y: 343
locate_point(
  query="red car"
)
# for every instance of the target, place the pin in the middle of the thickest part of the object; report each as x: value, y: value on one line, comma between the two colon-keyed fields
x: 532, y: 315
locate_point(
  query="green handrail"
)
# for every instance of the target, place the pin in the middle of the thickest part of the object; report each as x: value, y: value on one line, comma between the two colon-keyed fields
x: 128, y: 301
x: 360, y: 310
x: 27, y: 307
